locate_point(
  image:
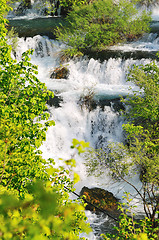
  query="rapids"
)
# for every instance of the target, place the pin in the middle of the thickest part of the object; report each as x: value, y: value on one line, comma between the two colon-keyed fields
x: 104, y: 81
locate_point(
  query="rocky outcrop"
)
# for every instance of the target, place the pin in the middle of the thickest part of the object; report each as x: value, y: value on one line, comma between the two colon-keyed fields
x: 60, y: 73
x: 99, y: 199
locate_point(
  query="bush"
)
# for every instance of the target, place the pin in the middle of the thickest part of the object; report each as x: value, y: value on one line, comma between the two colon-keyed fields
x: 131, y: 228
x: 102, y: 23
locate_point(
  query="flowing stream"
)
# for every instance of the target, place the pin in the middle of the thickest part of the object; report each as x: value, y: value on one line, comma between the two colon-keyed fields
x: 104, y: 81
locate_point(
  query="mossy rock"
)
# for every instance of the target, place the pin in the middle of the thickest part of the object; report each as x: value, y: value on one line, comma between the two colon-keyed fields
x: 60, y: 73
x: 100, y: 199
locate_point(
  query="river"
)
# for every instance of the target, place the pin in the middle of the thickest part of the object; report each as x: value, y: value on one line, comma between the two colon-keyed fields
x: 101, y: 76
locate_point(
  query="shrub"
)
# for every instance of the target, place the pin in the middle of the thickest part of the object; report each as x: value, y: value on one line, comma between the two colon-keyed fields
x: 102, y: 23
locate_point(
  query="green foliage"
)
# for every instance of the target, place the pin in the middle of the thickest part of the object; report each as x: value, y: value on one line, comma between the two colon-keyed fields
x: 130, y: 228
x: 71, y: 3
x: 143, y: 116
x: 12, y: 39
x: 140, y: 151
x: 143, y: 108
x: 45, y: 213
x: 80, y: 145
x: 34, y: 195
x: 22, y: 99
x: 50, y: 5
x: 100, y: 24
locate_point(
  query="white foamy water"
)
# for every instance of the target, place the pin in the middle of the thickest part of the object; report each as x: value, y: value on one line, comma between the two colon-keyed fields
x: 148, y: 43
x: 38, y: 9
x: 41, y: 8
x: 155, y: 13
x: 106, y: 80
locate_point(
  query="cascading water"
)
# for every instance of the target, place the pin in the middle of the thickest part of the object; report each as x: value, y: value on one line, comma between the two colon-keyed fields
x: 106, y: 80
x: 35, y: 8
x: 101, y: 82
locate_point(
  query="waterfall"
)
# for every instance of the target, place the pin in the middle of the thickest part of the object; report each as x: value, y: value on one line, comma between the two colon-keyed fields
x: 107, y: 81
x: 104, y: 82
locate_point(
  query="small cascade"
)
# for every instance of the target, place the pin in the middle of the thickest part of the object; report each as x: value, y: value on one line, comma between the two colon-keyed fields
x: 43, y: 47
x: 84, y: 74
x: 35, y: 8
x: 149, y: 42
x: 155, y: 10
x: 40, y: 8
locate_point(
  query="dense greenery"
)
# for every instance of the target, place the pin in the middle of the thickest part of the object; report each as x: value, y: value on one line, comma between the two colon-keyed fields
x: 70, y: 3
x: 23, y: 97
x: 102, y: 23
x: 34, y: 203
x: 128, y: 227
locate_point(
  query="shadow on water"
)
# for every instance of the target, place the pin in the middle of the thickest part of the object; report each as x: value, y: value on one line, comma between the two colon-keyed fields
x: 36, y: 26
x: 107, y: 54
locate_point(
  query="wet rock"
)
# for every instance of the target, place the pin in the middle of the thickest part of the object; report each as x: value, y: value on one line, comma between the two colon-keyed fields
x: 115, y: 104
x: 99, y: 199
x: 55, y: 101
x: 107, y: 54
x: 60, y: 73
x: 91, y: 103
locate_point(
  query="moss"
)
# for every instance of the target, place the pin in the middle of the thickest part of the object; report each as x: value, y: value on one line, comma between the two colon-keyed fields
x: 60, y: 72
x: 100, y: 198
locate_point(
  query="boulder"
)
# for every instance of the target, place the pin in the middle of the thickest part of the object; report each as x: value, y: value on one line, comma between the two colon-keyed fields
x: 99, y: 199
x: 60, y: 73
